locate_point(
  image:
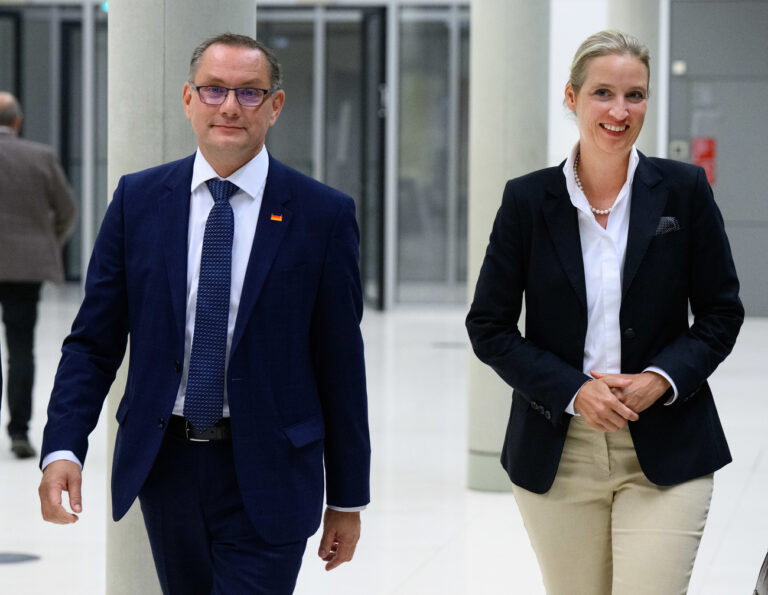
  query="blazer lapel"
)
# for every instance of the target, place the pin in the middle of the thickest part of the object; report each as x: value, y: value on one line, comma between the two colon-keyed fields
x: 648, y: 201
x: 563, y: 225
x: 274, y: 220
x: 173, y: 210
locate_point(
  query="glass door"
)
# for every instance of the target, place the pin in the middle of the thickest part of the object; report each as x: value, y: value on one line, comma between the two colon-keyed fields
x: 433, y: 155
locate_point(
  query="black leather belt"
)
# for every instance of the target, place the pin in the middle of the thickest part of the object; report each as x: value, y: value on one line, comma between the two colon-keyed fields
x: 181, y: 428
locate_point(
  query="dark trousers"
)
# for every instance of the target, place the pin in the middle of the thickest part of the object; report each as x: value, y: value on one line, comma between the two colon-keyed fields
x: 202, y: 540
x: 19, y: 302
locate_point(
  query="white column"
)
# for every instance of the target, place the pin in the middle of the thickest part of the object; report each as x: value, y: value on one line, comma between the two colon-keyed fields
x: 150, y: 44
x: 643, y: 19
x: 508, y: 137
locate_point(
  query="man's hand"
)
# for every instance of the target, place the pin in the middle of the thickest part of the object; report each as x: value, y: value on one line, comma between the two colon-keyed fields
x: 642, y: 392
x: 600, y: 407
x: 60, y: 476
x: 341, y: 530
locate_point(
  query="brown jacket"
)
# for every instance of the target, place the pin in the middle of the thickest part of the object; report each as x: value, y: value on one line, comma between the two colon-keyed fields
x: 37, y: 210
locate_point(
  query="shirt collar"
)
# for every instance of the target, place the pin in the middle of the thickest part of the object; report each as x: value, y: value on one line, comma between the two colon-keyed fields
x: 7, y: 130
x: 578, y: 199
x: 250, y: 178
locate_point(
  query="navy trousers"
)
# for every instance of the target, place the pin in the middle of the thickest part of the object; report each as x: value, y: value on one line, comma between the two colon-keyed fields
x: 19, y: 302
x: 202, y: 540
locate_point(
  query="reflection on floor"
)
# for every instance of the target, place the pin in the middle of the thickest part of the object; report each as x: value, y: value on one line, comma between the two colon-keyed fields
x: 424, y: 533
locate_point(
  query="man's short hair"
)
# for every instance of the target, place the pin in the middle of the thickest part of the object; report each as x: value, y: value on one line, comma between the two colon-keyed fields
x: 241, y: 41
x: 9, y: 109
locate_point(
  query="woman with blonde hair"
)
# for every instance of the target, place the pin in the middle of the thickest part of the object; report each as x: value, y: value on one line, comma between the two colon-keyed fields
x: 613, y: 435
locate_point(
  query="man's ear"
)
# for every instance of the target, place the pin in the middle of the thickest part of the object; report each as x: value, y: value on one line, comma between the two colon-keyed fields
x: 186, y: 98
x: 278, y: 100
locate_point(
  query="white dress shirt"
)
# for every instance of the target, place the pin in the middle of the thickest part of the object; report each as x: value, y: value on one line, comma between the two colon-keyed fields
x: 603, y: 252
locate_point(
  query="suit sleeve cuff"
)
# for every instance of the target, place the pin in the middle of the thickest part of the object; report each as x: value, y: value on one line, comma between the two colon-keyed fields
x: 661, y: 372
x: 347, y: 509
x: 60, y: 455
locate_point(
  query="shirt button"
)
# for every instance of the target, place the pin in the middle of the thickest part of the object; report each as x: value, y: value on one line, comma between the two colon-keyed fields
x: 629, y: 334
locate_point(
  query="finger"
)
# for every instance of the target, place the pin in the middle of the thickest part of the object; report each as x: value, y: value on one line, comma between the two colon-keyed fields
x: 332, y: 552
x: 612, y: 380
x: 75, y: 494
x: 594, y: 422
x: 614, y: 422
x: 344, y: 553
x: 327, y: 544
x: 609, y: 422
x: 626, y: 412
x: 618, y: 393
x: 52, y: 509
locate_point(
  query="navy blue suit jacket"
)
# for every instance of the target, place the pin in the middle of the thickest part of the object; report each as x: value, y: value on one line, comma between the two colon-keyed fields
x: 296, y: 377
x: 677, y: 255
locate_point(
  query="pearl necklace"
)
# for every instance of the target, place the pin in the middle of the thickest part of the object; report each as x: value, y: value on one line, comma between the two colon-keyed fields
x: 578, y: 183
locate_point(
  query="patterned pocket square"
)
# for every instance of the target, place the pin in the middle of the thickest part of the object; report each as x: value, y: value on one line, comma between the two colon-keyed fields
x: 667, y: 225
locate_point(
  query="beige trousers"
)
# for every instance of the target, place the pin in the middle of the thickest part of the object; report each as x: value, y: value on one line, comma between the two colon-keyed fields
x: 604, y: 529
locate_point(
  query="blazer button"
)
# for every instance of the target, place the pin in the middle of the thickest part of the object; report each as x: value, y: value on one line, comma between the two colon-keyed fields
x: 629, y: 334
x: 547, y: 415
x: 161, y: 423
x: 177, y: 366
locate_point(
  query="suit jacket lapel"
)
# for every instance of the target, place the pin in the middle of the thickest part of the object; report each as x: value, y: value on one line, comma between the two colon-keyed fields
x: 173, y: 210
x: 648, y: 201
x: 563, y: 225
x: 274, y: 220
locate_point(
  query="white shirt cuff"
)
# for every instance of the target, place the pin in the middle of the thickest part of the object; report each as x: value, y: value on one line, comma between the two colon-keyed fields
x: 60, y: 455
x: 661, y: 372
x: 352, y: 509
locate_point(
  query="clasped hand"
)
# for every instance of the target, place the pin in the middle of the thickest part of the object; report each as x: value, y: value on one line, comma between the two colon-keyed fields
x: 609, y: 401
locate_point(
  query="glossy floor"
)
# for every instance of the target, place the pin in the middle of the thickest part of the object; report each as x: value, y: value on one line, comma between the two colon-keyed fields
x: 424, y: 532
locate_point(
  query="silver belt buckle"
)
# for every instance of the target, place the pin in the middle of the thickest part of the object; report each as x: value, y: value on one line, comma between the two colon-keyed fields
x: 186, y: 433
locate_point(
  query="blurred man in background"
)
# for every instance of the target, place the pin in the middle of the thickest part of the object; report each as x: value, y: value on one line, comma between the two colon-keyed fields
x: 37, y: 214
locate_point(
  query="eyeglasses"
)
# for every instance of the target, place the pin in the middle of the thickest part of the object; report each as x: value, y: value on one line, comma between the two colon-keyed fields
x: 246, y: 96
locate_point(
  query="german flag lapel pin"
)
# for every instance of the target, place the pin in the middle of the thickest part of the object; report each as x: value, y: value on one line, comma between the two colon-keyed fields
x: 275, y: 217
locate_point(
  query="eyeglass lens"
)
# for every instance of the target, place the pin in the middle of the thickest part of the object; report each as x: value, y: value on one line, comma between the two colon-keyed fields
x: 247, y: 96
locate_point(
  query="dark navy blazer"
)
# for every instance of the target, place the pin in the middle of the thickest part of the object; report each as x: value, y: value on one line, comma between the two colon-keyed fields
x: 296, y: 377
x: 677, y: 255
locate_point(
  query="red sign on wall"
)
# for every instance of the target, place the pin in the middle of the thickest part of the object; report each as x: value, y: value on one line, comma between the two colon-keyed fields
x: 703, y: 154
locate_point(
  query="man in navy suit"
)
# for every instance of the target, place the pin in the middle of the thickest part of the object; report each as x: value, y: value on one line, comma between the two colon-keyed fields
x: 228, y: 503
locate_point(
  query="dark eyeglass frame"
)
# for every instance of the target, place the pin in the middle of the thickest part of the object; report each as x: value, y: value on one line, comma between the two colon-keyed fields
x: 237, y: 90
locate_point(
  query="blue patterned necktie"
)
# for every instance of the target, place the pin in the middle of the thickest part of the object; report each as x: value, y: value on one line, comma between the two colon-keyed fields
x: 204, y: 399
